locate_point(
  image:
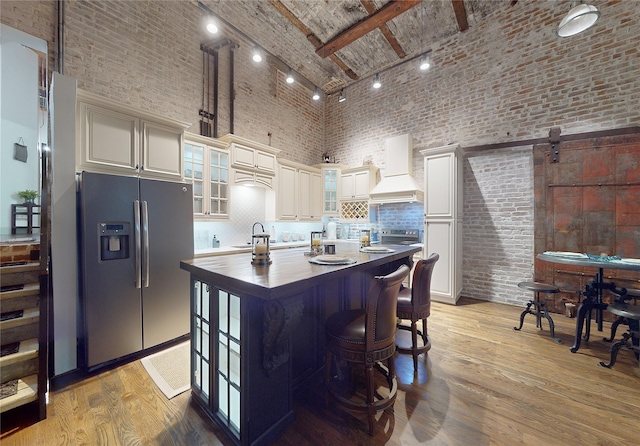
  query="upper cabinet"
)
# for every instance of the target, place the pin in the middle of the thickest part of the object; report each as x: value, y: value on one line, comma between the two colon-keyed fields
x: 356, y: 183
x: 299, y: 192
x: 114, y: 138
x: 206, y: 166
x: 330, y: 176
x: 252, y: 162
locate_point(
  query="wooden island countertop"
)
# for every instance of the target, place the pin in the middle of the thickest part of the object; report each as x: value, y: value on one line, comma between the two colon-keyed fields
x: 289, y: 271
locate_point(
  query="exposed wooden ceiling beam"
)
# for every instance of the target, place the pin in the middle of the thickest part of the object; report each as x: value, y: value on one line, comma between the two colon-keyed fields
x: 461, y: 14
x: 389, y: 11
x: 312, y: 38
x: 386, y: 32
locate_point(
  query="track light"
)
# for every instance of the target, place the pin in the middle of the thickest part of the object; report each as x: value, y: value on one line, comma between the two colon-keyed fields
x: 316, y: 94
x: 376, y: 81
x: 579, y: 18
x: 425, y: 62
x: 257, y: 54
x: 212, y: 26
x: 342, y: 97
x: 290, y: 79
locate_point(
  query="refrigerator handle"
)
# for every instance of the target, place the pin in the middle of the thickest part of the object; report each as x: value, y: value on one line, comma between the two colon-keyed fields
x: 145, y: 245
x: 138, y: 240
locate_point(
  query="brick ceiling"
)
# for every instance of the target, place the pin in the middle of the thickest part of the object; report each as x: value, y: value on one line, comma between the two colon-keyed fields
x: 368, y: 36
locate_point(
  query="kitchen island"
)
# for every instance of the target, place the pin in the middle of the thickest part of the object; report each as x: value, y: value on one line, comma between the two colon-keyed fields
x: 257, y: 332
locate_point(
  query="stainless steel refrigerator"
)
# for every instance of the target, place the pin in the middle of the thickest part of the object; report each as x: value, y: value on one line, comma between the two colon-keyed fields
x: 134, y: 232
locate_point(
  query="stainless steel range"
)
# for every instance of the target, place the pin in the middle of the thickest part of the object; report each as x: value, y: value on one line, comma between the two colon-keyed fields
x: 403, y: 237
x: 400, y: 236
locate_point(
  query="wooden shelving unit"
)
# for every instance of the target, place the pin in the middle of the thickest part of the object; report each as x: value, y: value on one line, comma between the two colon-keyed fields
x: 25, y: 218
x: 26, y: 363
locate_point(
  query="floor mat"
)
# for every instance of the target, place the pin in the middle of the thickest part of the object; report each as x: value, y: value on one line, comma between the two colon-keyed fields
x: 170, y: 369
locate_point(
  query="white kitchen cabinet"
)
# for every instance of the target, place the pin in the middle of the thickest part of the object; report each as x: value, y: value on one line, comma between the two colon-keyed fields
x: 443, y: 219
x: 253, y: 162
x: 310, y: 198
x: 206, y: 167
x: 299, y: 192
x: 114, y: 138
x: 356, y: 183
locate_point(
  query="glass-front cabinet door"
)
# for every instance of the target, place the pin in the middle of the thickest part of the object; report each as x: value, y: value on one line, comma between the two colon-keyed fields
x: 206, y: 166
x: 216, y: 353
x: 331, y: 178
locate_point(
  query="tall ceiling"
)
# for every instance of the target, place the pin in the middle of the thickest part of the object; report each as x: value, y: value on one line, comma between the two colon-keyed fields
x: 333, y: 43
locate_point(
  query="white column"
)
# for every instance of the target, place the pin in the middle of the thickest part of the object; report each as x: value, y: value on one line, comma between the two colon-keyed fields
x: 443, y: 219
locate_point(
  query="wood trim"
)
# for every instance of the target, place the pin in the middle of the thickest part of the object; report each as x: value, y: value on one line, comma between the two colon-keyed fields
x: 389, y: 11
x: 386, y: 32
x: 563, y: 138
x: 461, y: 14
x: 311, y: 37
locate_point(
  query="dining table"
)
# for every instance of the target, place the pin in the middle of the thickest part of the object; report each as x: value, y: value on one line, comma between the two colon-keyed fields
x: 593, y: 292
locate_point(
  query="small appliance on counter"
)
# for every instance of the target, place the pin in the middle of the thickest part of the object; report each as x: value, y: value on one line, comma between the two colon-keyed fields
x: 331, y: 230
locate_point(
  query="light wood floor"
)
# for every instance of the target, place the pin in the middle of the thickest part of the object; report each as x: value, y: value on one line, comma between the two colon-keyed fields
x: 482, y: 384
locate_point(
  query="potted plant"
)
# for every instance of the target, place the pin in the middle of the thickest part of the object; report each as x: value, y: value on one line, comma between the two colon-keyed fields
x: 28, y: 195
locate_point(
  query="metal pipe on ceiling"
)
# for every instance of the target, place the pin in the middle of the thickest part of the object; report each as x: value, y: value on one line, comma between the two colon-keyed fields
x: 231, y: 89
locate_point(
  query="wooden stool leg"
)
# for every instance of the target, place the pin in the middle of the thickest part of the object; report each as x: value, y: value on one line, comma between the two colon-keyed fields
x: 371, y: 409
x: 414, y: 344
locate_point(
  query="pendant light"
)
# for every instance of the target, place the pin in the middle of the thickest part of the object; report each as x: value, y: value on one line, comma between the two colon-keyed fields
x: 290, y: 79
x: 316, y: 94
x: 580, y: 17
x: 342, y: 97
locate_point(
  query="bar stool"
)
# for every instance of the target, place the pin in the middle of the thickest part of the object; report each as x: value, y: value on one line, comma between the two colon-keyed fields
x: 366, y: 337
x: 414, y: 304
x: 540, y: 309
x: 630, y: 315
x: 630, y: 294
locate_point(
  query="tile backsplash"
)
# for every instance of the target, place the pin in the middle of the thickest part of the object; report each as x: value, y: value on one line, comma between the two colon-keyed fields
x: 248, y: 205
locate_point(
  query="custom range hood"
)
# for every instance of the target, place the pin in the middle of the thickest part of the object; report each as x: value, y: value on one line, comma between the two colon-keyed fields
x: 397, y: 185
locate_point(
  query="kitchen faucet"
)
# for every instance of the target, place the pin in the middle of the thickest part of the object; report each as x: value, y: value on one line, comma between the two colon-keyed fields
x: 253, y: 228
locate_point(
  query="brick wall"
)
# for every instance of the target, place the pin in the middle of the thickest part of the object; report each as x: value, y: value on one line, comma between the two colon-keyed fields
x: 147, y: 54
x: 489, y: 84
x: 498, y: 224
x: 495, y: 84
